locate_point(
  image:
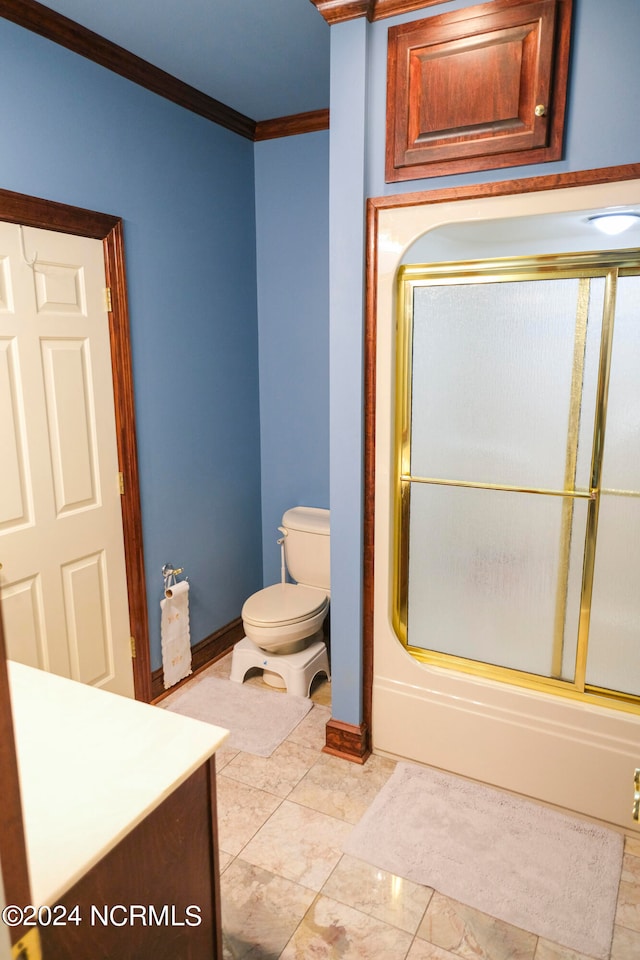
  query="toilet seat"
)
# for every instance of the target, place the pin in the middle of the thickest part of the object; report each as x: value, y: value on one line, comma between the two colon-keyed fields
x: 283, y: 604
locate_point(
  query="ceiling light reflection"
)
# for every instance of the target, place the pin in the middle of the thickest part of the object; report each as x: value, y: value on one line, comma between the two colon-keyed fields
x: 614, y: 223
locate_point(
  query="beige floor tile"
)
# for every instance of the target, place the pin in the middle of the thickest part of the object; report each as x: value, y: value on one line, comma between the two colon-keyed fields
x: 260, y: 911
x: 333, y: 930
x: 552, y: 951
x: 421, y: 950
x: 242, y: 810
x: 628, y: 912
x: 299, y: 844
x: 467, y: 933
x: 221, y: 668
x: 626, y: 944
x: 321, y: 691
x: 311, y: 731
x: 631, y: 868
x: 632, y: 846
x: 224, y: 859
x: 224, y: 757
x: 343, y: 789
x: 291, y: 852
x: 378, y: 893
x: 277, y: 774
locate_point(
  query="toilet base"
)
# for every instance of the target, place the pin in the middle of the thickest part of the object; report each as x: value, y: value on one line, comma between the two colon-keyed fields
x: 296, y: 669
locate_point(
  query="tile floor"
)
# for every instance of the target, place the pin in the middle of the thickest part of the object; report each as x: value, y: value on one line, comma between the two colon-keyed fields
x: 289, y: 892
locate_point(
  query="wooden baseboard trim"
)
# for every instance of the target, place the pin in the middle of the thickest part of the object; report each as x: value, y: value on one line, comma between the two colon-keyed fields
x: 202, y: 654
x: 347, y: 741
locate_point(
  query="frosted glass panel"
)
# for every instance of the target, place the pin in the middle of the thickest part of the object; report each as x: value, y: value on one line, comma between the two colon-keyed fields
x: 493, y: 365
x: 486, y: 577
x: 614, y: 636
x: 590, y: 383
x: 621, y: 461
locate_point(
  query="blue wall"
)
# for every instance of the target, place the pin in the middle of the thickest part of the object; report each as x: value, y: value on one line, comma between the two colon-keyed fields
x: 601, y: 131
x: 76, y: 133
x: 347, y: 257
x: 292, y: 229
x: 604, y: 80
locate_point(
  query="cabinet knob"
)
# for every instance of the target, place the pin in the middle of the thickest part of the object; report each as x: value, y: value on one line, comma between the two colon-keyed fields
x: 540, y: 110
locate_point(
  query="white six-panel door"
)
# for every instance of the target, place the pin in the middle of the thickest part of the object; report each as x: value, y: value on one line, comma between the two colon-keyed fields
x: 62, y: 581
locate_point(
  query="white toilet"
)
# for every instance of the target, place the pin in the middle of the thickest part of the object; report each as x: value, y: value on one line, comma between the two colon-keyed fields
x: 283, y: 623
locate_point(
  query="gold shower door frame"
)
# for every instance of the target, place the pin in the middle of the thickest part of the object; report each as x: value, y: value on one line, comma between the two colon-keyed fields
x: 584, y: 267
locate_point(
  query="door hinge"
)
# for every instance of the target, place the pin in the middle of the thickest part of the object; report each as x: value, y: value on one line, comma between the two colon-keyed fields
x: 132, y: 641
x: 636, y: 795
x: 121, y: 483
x: 107, y: 297
x: 28, y: 947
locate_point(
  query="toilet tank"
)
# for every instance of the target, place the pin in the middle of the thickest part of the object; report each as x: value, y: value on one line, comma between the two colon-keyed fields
x: 306, y: 545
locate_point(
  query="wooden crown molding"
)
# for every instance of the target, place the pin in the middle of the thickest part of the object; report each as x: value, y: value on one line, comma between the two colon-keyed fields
x: 337, y: 11
x: 67, y: 33
x: 290, y: 126
x: 53, y: 26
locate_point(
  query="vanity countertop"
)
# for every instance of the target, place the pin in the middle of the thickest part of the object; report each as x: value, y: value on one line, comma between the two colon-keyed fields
x: 92, y: 766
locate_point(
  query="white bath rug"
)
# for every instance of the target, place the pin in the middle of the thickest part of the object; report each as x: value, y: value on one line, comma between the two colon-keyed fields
x: 541, y: 870
x: 259, y: 720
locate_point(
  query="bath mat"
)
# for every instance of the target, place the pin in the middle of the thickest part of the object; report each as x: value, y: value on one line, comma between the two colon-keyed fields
x: 259, y: 720
x: 541, y: 870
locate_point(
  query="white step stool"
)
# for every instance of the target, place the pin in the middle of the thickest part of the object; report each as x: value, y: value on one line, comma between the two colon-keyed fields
x: 296, y: 669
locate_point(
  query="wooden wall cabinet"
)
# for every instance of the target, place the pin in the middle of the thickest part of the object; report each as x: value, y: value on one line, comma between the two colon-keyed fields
x: 477, y: 89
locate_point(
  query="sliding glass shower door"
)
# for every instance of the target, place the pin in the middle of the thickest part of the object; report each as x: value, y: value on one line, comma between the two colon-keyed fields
x: 613, y: 660
x: 505, y: 386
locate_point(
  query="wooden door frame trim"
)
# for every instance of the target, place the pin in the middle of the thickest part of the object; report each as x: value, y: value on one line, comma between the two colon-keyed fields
x: 48, y: 215
x: 580, y: 178
x: 13, y: 849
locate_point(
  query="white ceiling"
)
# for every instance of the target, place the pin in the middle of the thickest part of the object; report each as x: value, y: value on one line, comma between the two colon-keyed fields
x: 264, y: 58
x: 568, y: 232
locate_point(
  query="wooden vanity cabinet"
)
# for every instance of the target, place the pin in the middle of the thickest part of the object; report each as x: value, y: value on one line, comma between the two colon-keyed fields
x: 170, y: 862
x: 108, y: 822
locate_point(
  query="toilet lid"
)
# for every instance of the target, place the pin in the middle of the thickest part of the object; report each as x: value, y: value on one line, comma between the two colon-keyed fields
x: 283, y: 603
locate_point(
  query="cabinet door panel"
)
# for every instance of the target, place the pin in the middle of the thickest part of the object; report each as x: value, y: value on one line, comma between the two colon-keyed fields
x: 477, y: 89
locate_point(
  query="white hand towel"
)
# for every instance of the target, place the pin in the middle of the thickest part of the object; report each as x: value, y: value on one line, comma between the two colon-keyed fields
x: 176, y: 639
